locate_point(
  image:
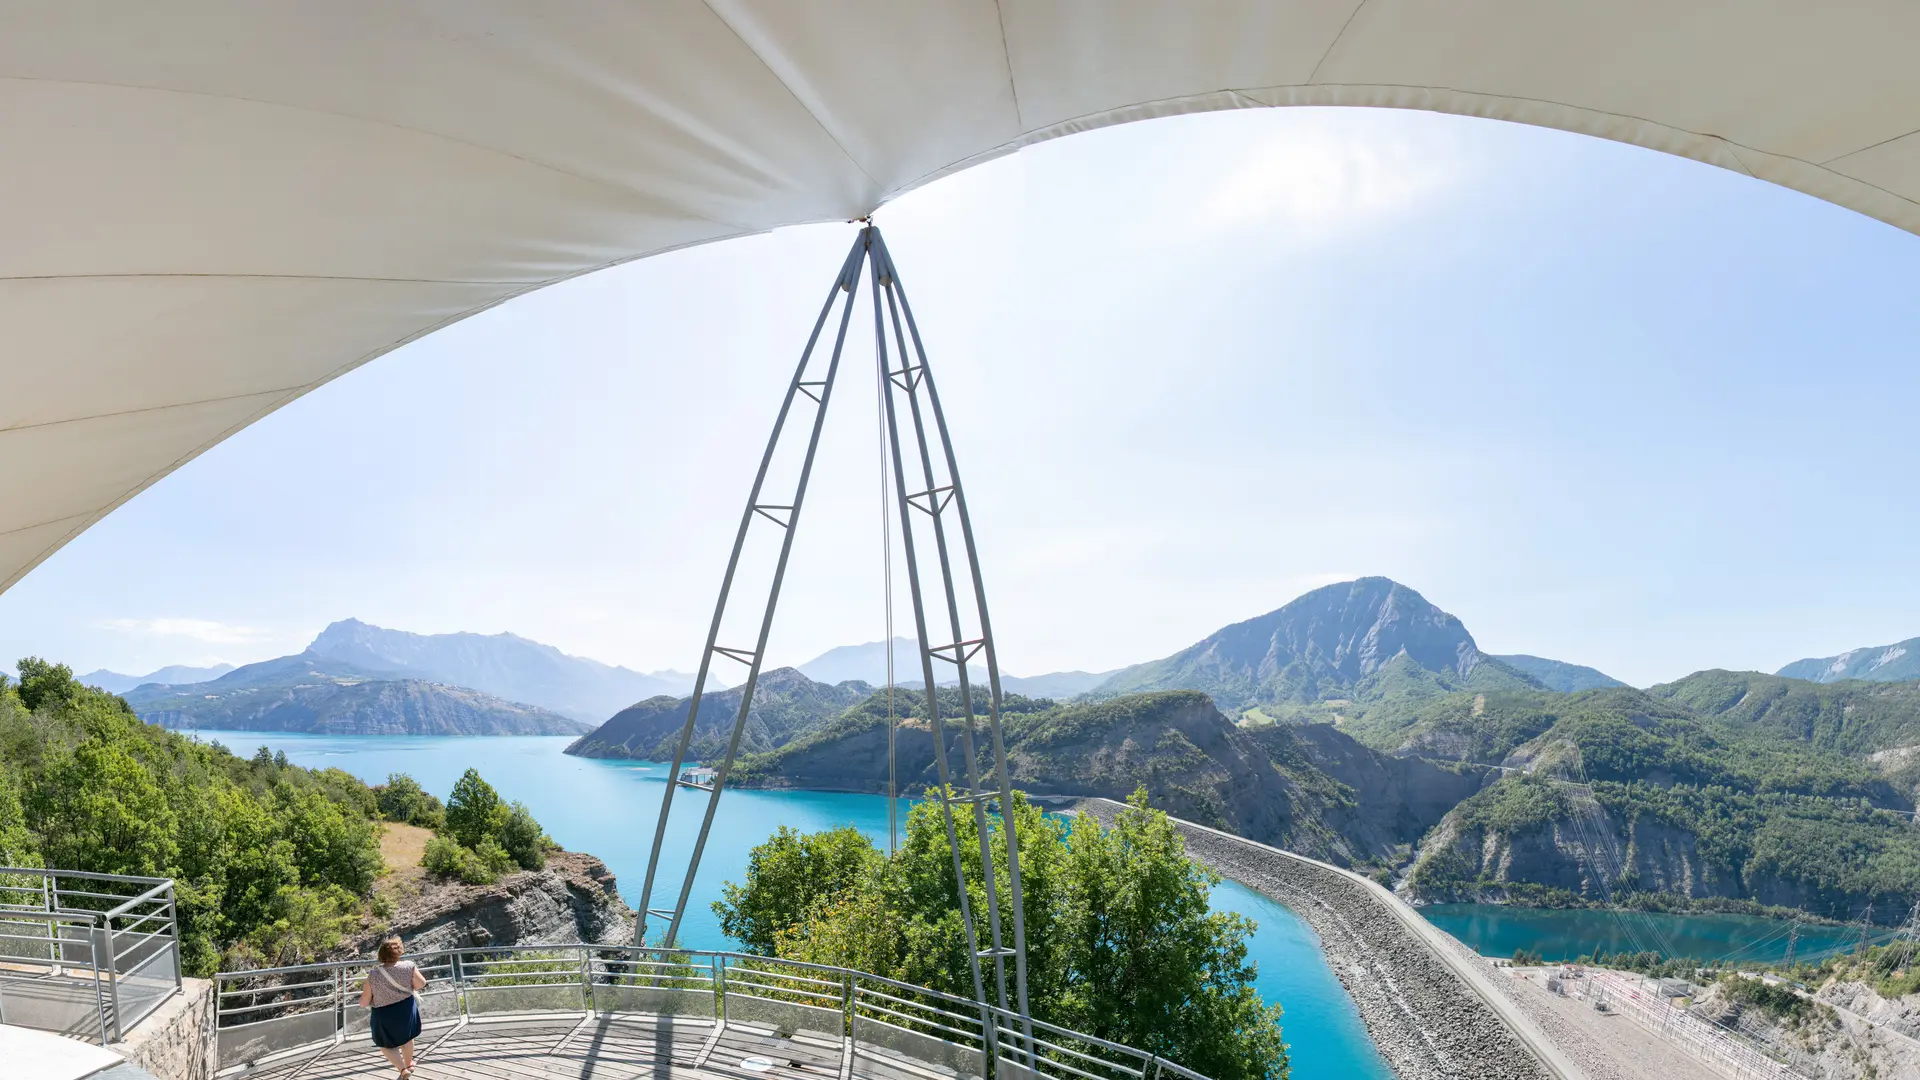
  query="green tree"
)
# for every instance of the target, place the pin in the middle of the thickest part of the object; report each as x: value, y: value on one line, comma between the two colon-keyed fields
x: 787, y: 876
x: 45, y: 685
x: 100, y: 809
x: 402, y: 798
x: 474, y: 811
x: 330, y: 845
x: 1121, y: 943
x: 17, y: 847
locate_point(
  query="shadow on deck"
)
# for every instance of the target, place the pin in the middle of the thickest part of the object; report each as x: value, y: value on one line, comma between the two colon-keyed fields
x: 606, y: 1048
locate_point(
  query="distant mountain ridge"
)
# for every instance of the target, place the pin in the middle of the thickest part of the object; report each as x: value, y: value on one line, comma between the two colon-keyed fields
x: 310, y: 693
x: 786, y: 704
x: 173, y: 675
x: 1898, y: 662
x: 504, y: 665
x: 1558, y: 674
x: 867, y: 663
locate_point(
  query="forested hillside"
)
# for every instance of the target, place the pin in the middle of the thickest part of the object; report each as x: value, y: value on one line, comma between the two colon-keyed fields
x: 1325, y: 795
x: 1853, y: 717
x: 1620, y: 792
x: 272, y: 861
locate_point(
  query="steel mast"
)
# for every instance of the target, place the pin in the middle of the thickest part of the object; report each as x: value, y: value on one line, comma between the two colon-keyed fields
x: 950, y: 621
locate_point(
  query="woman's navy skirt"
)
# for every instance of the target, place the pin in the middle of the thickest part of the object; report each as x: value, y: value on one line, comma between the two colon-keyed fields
x: 397, y: 1024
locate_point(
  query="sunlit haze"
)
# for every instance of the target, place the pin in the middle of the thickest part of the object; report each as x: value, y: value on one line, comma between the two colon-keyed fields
x: 1605, y: 405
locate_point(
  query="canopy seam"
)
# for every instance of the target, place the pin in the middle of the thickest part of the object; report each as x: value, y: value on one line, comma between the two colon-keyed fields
x: 804, y: 107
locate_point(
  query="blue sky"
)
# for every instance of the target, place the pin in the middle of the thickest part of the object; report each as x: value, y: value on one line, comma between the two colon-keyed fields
x: 1603, y: 404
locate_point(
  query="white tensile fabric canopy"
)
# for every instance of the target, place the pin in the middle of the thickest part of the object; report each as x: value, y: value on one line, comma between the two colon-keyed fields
x: 211, y: 207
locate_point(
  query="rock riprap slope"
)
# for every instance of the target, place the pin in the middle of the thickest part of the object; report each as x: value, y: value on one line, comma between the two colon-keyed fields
x: 1428, y: 1023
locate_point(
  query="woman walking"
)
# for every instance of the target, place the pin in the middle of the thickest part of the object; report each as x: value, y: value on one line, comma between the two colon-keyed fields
x: 396, y: 1012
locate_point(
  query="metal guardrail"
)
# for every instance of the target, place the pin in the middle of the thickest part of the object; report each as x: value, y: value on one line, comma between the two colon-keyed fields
x: 89, y: 955
x: 276, y: 1013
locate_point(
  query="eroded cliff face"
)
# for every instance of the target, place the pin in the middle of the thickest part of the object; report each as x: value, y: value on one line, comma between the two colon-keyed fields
x: 1391, y: 802
x: 572, y: 901
x: 1588, y: 851
x: 1851, y: 1032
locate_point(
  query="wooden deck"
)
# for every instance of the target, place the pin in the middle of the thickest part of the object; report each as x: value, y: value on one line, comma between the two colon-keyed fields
x: 600, y: 1048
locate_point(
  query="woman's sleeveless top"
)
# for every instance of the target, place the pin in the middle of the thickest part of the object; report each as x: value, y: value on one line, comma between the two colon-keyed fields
x: 391, y: 982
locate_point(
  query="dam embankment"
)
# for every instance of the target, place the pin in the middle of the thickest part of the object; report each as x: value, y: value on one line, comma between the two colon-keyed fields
x: 1433, y: 1012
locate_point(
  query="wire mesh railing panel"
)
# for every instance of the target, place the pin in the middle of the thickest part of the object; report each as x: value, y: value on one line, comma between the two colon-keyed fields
x: 122, y: 929
x: 143, y: 988
x: 785, y: 995
x: 538, y: 981
x: 656, y: 983
x: 895, y: 1019
x: 1057, y: 1053
x: 48, y: 979
x: 261, y: 1014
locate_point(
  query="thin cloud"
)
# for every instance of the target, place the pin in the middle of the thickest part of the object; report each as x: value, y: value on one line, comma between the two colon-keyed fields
x: 1322, y: 181
x: 203, y: 630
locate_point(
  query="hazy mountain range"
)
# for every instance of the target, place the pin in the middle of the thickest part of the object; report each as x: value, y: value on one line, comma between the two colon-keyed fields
x: 313, y: 693
x: 868, y: 663
x: 177, y: 675
x: 505, y: 665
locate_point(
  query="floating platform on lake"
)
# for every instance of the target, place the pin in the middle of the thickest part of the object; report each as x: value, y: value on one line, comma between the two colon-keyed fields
x: 696, y: 778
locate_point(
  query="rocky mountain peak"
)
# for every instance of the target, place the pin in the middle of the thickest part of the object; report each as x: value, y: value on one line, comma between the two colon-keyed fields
x: 1352, y: 628
x: 1318, y: 646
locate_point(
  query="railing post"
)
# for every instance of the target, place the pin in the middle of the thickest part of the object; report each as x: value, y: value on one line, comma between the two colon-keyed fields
x: 720, y: 988
x: 56, y: 951
x: 339, y: 1005
x: 846, y: 998
x: 106, y: 934
x: 99, y: 1001
x: 459, y: 984
x: 586, y: 982
x: 173, y: 915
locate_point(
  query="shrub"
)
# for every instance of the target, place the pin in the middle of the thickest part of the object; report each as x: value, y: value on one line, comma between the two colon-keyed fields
x: 447, y: 857
x: 1779, y: 1002
x: 523, y: 839
x: 493, y: 858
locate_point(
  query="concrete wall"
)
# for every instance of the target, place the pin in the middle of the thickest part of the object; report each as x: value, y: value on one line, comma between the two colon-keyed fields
x: 175, y: 1042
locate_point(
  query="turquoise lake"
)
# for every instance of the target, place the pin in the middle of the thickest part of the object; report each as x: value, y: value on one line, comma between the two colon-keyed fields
x: 608, y: 808
x: 1495, y: 930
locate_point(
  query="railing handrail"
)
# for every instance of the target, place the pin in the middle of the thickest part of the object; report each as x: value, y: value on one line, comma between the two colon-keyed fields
x: 987, y: 1029
x: 90, y: 918
x: 130, y: 879
x: 165, y: 886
